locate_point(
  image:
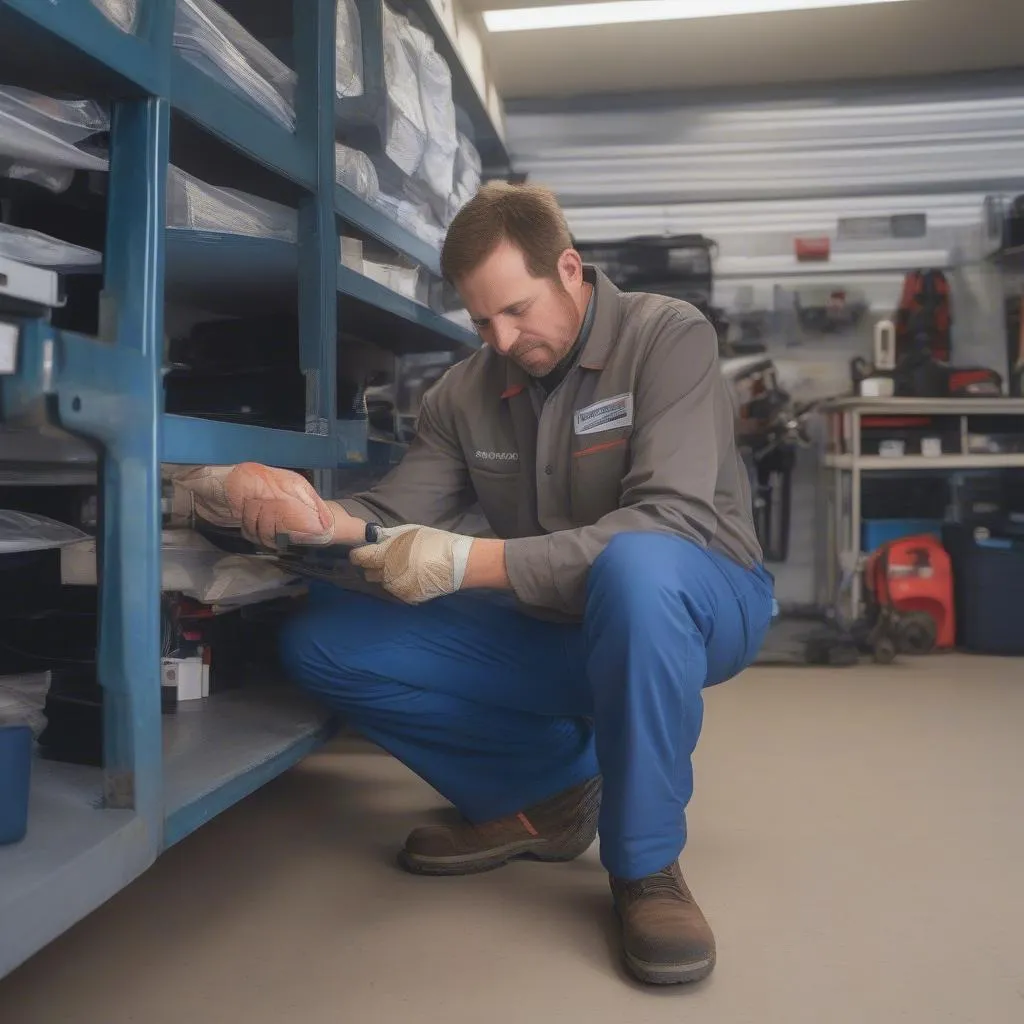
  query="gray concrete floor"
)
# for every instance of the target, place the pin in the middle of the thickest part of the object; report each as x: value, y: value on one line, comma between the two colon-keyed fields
x: 857, y: 840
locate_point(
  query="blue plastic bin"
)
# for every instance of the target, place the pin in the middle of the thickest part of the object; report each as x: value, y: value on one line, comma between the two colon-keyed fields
x: 15, y: 769
x: 876, y: 532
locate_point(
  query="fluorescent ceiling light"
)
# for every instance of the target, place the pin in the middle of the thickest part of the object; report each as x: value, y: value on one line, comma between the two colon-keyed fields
x: 622, y: 12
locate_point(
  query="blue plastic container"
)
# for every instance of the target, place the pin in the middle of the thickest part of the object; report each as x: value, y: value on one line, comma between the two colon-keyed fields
x: 15, y: 769
x: 876, y: 532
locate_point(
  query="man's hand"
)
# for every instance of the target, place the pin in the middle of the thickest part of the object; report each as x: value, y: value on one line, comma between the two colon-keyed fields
x: 416, y: 563
x: 265, y: 502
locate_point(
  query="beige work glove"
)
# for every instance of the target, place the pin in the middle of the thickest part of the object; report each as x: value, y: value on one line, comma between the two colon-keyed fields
x: 265, y: 502
x: 415, y: 563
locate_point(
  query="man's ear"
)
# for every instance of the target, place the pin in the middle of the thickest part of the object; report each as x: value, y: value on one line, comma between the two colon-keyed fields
x: 570, y: 268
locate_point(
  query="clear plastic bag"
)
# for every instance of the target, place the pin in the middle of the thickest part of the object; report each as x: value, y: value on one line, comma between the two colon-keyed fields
x: 409, y: 216
x: 121, y: 12
x: 437, y: 169
x: 39, y: 130
x: 27, y: 531
x: 191, y: 566
x: 348, y: 64
x: 22, y: 699
x: 39, y: 250
x: 196, y: 206
x: 468, y: 171
x: 208, y: 37
x: 406, y: 129
x: 355, y: 171
x: 53, y: 179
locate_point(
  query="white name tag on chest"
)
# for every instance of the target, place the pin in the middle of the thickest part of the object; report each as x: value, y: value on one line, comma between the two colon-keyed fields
x: 606, y: 415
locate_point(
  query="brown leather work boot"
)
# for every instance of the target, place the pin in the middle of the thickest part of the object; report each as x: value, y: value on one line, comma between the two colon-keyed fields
x: 558, y: 829
x: 666, y: 939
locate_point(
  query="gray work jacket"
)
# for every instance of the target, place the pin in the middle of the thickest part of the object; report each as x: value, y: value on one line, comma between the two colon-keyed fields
x: 637, y: 437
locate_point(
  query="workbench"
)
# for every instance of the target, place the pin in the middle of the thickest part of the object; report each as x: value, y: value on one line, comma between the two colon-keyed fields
x: 843, y: 465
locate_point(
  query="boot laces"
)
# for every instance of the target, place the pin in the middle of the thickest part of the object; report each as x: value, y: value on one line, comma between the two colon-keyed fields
x: 665, y: 884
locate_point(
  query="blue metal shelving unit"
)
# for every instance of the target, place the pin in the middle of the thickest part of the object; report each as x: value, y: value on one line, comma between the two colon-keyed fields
x: 92, y: 831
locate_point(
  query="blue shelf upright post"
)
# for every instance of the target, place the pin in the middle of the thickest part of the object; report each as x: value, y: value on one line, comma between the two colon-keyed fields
x: 314, y: 27
x: 129, y: 646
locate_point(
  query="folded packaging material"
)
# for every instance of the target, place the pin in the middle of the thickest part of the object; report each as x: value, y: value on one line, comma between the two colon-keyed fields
x: 348, y: 50
x: 406, y: 132
x: 197, y: 206
x: 437, y: 168
x: 121, y: 12
x: 354, y: 170
x: 39, y: 130
x: 191, y: 566
x: 403, y: 280
x: 209, y: 38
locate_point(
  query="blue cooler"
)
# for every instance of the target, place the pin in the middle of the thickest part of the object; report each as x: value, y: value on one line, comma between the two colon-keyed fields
x: 15, y: 768
x: 876, y: 532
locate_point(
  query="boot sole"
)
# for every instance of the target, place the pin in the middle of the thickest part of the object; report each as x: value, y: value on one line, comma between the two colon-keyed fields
x: 476, y: 863
x: 669, y: 974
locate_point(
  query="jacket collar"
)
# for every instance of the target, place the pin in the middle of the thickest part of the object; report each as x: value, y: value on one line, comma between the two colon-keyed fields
x: 603, y: 332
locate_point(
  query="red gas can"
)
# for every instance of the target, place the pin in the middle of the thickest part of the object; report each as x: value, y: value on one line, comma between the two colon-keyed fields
x: 913, y: 577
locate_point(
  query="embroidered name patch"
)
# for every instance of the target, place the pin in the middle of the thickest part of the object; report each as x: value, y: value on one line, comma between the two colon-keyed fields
x: 606, y: 415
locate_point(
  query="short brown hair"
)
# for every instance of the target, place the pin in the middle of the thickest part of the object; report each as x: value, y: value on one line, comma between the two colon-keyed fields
x: 528, y: 216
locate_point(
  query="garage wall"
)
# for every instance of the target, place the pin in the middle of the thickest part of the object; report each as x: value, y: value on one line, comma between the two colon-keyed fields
x: 754, y: 170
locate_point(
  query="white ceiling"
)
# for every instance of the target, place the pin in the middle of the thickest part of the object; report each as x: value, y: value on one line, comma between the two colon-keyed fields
x: 920, y: 37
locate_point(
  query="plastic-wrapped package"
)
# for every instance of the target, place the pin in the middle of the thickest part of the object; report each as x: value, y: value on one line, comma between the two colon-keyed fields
x: 53, y: 179
x: 208, y: 37
x: 401, y: 279
x: 39, y: 250
x: 406, y: 133
x: 197, y: 206
x: 191, y: 566
x: 411, y: 217
x: 437, y: 169
x: 39, y: 130
x: 121, y: 12
x: 27, y: 531
x: 22, y: 699
x: 462, y: 318
x: 468, y: 171
x: 348, y: 64
x: 354, y: 170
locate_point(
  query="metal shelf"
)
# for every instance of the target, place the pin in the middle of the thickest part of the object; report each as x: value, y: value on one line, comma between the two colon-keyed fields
x: 876, y: 463
x: 189, y: 440
x: 168, y: 776
x: 374, y: 310
x: 925, y: 406
x: 69, y: 45
x: 219, y: 750
x: 360, y: 214
x: 74, y: 858
x: 242, y: 125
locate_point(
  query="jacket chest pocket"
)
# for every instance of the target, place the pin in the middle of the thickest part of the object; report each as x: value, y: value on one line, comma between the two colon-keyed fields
x: 599, y: 465
x: 498, y: 492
